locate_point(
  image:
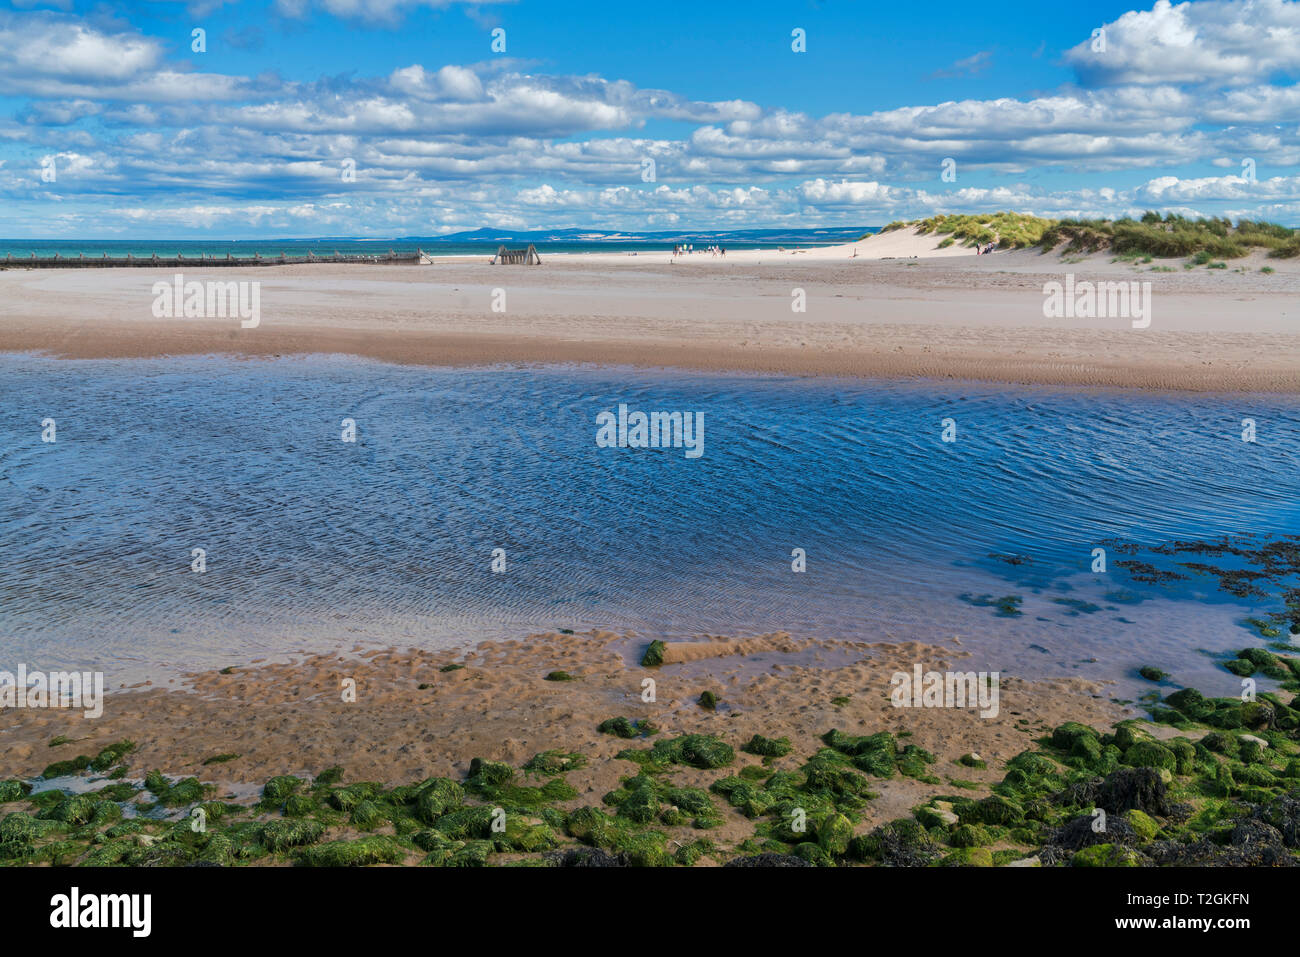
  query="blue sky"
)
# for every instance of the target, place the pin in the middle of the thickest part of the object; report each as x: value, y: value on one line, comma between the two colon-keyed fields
x: 112, y: 126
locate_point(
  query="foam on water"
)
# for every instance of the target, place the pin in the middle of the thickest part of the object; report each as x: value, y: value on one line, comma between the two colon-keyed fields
x: 316, y: 543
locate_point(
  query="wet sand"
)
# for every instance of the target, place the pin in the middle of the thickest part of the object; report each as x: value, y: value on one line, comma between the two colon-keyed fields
x: 291, y: 717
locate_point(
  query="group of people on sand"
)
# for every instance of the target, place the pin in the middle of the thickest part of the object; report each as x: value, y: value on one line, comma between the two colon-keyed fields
x: 983, y: 250
x: 686, y: 249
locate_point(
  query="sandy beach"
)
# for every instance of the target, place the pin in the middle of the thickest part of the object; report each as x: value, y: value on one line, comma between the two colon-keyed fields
x: 411, y: 719
x: 901, y: 308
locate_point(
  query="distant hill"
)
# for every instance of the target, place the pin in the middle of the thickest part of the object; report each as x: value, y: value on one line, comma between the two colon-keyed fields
x: 843, y: 234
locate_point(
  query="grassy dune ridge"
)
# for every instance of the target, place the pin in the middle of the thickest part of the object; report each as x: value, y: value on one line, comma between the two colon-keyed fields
x: 1161, y: 237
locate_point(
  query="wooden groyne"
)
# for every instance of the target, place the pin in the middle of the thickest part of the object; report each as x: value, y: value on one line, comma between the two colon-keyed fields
x: 516, y: 257
x: 417, y: 258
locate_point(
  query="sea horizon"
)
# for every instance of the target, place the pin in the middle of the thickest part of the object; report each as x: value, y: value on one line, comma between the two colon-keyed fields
x: 456, y: 244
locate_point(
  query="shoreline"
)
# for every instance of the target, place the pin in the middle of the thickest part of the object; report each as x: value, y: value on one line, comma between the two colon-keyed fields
x: 543, y: 752
x: 497, y: 696
x: 420, y: 714
x: 976, y: 319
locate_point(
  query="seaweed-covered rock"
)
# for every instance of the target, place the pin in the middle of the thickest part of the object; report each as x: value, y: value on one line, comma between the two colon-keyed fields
x: 367, y: 816
x: 638, y: 801
x: 555, y: 761
x: 1192, y: 703
x: 111, y: 755
x: 1084, y: 831
x: 968, y: 857
x: 470, y: 854
x: 484, y: 775
x: 281, y: 835
x: 936, y: 815
x: 436, y: 797
x: 524, y: 836
x: 833, y: 832
x: 1144, y: 828
x: 345, y: 799
x: 768, y: 860
x: 999, y: 810
x: 1258, y: 715
x: 374, y: 849
x: 1128, y: 788
x: 969, y: 835
x: 19, y: 832
x: 859, y: 744
x: 1150, y: 754
x: 697, y: 750
x: 768, y: 747
x: 654, y: 655
x: 898, y: 843
x: 746, y: 796
x: 825, y: 774
x: 586, y: 857
x: 1220, y: 743
x: 467, y: 823
x: 1252, y: 751
x: 621, y: 727
x: 1038, y: 768
x: 299, y: 805
x: 1184, y: 755
x: 876, y: 754
x: 71, y: 766
x: 1257, y: 833
x: 591, y: 826
x: 1107, y: 855
x: 814, y: 854
x: 1265, y: 661
x: 277, y: 790
x: 1065, y: 735
x: 705, y: 751
x: 109, y: 854
x: 13, y: 791
x: 1250, y: 843
x: 1282, y: 813
x: 643, y: 848
x: 74, y: 809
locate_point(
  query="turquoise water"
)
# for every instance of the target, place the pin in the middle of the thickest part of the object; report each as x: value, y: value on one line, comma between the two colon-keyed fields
x: 268, y: 248
x: 315, y: 543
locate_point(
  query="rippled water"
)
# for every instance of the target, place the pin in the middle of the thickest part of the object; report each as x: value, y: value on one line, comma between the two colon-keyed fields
x: 312, y: 542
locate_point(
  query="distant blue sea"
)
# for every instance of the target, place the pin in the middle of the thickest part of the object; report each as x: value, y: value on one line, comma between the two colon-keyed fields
x: 314, y: 542
x: 96, y: 248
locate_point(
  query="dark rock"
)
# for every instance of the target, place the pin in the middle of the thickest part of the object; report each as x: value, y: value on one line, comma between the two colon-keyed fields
x: 1283, y: 815
x: 1205, y: 853
x: 1127, y: 789
x: 585, y: 857
x: 1078, y: 833
x: 1252, y: 833
x: 768, y: 860
x: 899, y: 843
